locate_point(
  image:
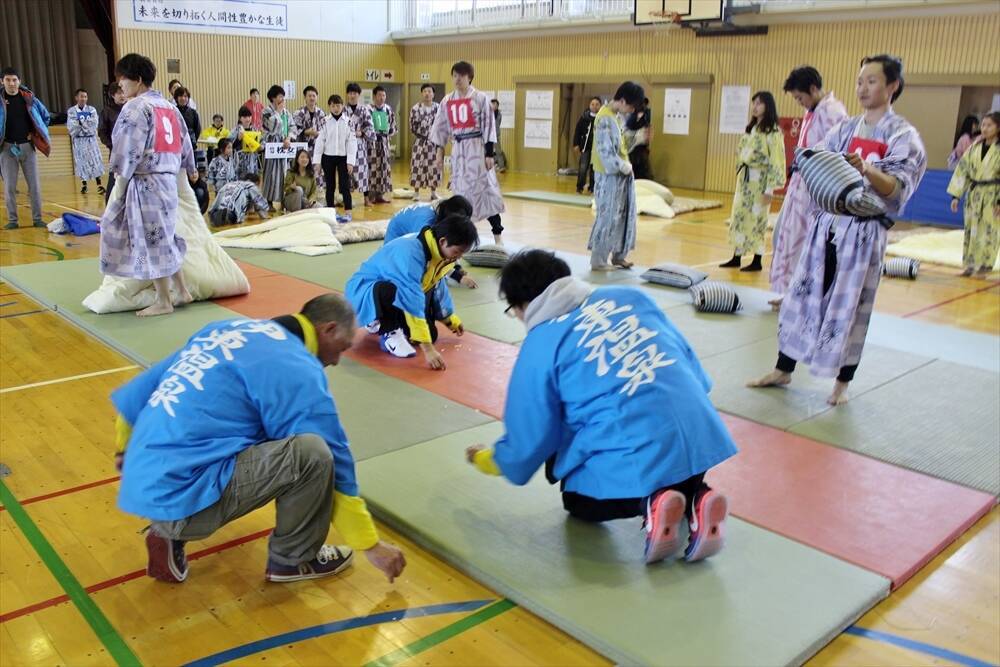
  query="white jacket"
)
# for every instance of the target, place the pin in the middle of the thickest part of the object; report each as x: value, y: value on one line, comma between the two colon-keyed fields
x: 337, y: 139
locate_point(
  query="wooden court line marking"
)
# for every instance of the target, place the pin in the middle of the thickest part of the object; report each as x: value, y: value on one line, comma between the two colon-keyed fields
x: 919, y: 647
x: 51, y: 602
x: 294, y: 636
x: 55, y: 251
x: 74, y: 210
x: 98, y: 622
x: 442, y: 635
x: 64, y: 492
x: 953, y: 299
x: 27, y: 312
x: 67, y: 379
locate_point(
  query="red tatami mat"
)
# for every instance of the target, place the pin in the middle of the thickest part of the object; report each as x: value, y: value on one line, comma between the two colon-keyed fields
x: 878, y: 516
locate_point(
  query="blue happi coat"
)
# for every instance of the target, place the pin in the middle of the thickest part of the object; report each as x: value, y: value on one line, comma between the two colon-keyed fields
x: 414, y: 265
x: 235, y: 384
x: 607, y: 384
x: 410, y: 221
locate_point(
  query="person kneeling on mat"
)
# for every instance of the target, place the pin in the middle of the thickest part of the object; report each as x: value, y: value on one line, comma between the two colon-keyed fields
x: 240, y: 416
x: 414, y: 218
x: 607, y: 394
x: 400, y: 291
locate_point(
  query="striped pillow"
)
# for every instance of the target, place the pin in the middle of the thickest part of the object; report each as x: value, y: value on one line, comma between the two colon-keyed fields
x: 715, y: 297
x: 835, y: 185
x: 901, y: 267
x: 491, y: 256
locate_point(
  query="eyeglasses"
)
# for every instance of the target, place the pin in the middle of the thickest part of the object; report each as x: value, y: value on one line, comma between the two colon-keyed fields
x: 508, y: 311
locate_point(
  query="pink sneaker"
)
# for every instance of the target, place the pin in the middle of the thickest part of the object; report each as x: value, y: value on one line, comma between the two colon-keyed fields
x: 664, y: 512
x: 708, y: 523
x: 167, y: 561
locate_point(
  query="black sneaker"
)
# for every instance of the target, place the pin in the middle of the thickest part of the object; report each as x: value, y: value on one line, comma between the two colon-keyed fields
x: 167, y: 561
x: 329, y: 560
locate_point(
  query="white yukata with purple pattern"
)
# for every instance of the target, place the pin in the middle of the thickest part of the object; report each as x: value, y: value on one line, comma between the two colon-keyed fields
x: 828, y: 330
x: 151, y: 145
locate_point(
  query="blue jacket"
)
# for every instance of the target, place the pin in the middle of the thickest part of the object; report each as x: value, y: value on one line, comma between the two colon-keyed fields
x: 235, y: 384
x: 610, y: 387
x: 39, y: 118
x: 410, y: 221
x: 414, y: 265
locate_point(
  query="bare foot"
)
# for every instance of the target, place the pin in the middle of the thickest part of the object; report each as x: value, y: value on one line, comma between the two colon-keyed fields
x: 776, y: 303
x: 497, y: 240
x: 775, y: 378
x: 604, y: 267
x: 839, y: 395
x: 184, y: 298
x: 625, y: 264
x: 965, y: 274
x: 156, y: 309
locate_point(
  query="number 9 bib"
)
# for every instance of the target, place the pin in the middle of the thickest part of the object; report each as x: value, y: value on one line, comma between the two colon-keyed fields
x: 167, y: 135
x: 460, y: 115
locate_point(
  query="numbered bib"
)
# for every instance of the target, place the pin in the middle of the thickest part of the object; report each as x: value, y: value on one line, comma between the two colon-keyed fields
x: 868, y: 149
x: 167, y: 135
x: 460, y: 114
x: 380, y: 121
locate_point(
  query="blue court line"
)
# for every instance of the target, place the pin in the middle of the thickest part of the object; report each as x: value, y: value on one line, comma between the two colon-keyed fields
x: 28, y: 312
x: 913, y: 645
x: 337, y: 626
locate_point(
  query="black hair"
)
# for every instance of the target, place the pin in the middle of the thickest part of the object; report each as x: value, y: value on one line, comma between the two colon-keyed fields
x: 967, y: 125
x: 377, y: 90
x: 113, y: 88
x: 595, y: 97
x: 631, y: 92
x: 221, y: 146
x: 495, y: 101
x: 769, y: 123
x: 802, y: 79
x: 274, y: 91
x: 310, y: 172
x: 9, y: 71
x: 135, y: 67
x: 353, y: 88
x: 529, y: 273
x: 181, y: 92
x: 217, y: 115
x: 426, y: 86
x: 305, y: 91
x: 454, y: 205
x: 334, y: 99
x: 892, y: 67
x: 462, y: 67
x: 172, y: 82
x: 254, y: 90
x: 80, y: 90
x: 244, y: 112
x: 251, y: 176
x: 456, y: 230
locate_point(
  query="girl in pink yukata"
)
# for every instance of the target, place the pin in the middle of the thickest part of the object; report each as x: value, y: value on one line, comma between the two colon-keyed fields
x: 151, y: 145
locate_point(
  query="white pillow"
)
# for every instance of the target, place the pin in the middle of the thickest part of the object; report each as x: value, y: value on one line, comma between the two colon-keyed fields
x: 652, y: 187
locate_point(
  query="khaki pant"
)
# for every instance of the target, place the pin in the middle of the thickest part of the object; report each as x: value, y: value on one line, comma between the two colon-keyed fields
x: 297, y: 472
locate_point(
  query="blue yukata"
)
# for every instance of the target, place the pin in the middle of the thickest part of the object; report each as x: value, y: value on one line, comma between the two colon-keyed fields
x: 608, y: 391
x: 234, y: 384
x: 414, y: 266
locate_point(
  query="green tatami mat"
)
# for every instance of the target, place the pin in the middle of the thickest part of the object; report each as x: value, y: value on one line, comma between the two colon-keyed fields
x: 765, y: 600
x: 64, y: 285
x: 715, y: 333
x: 942, y: 419
x: 489, y: 321
x: 552, y: 197
x: 805, y: 397
x: 382, y: 414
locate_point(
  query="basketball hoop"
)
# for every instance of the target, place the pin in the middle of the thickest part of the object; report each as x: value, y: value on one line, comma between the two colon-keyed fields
x: 673, y: 17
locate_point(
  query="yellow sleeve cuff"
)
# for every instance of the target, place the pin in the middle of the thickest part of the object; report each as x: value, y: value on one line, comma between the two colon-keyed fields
x: 419, y: 332
x: 453, y: 321
x: 123, y: 431
x: 483, y: 460
x: 352, y: 520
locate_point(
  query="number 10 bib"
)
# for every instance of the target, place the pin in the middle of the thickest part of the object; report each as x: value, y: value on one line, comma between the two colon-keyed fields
x: 460, y: 114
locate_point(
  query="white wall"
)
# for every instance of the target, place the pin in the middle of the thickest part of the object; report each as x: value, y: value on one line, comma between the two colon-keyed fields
x: 329, y: 20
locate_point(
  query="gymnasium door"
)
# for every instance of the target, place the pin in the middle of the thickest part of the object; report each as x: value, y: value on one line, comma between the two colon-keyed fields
x: 679, y: 160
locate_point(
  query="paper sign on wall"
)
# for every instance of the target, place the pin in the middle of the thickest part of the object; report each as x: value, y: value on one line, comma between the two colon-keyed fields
x: 537, y: 133
x: 388, y: 75
x: 506, y: 98
x: 676, y: 111
x: 373, y: 75
x: 538, y: 104
x: 996, y: 103
x: 289, y: 90
x: 277, y: 150
x: 734, y: 109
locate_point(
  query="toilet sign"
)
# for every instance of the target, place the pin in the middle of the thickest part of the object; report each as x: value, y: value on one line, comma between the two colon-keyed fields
x: 373, y: 75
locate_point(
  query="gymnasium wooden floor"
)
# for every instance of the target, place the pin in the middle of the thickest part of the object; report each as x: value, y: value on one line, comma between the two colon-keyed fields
x: 56, y: 435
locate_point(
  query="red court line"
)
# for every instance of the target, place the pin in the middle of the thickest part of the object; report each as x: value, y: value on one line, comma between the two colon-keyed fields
x: 951, y: 300
x: 51, y: 602
x: 63, y: 492
x: 882, y: 517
